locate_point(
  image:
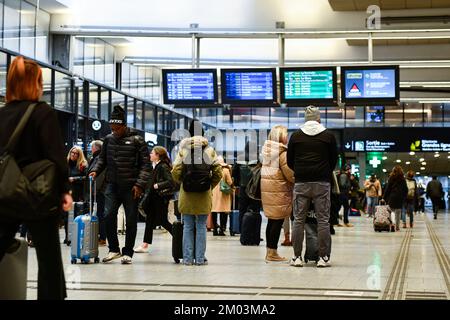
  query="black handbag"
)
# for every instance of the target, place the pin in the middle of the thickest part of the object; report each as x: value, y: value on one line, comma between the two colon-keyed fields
x: 28, y: 193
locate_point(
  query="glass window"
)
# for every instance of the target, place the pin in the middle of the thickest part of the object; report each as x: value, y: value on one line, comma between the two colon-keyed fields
x: 160, y: 121
x: 1, y: 24
x: 125, y: 77
x: 242, y: 118
x: 261, y: 118
x: 42, y: 31
x: 139, y: 115
x: 278, y: 116
x: 104, y: 104
x: 2, y: 76
x: 412, y: 114
x: 335, y: 117
x: 393, y: 116
x: 447, y: 114
x: 156, y: 85
x: 167, y: 122
x: 109, y: 65
x: 79, y: 98
x: 433, y: 114
x: 62, y: 91
x: 374, y: 116
x: 118, y: 98
x: 47, y: 77
x: 130, y: 112
x: 142, y: 82
x: 149, y: 118
x: 296, y: 117
x: 223, y: 118
x: 133, y: 80
x: 89, y: 58
x: 354, y: 117
x: 99, y: 61
x: 93, y: 101
x: 11, y: 25
x: 27, y: 25
x: 78, y: 60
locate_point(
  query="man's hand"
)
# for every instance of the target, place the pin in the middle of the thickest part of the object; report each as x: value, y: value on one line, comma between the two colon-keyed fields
x: 155, y: 186
x: 93, y: 175
x: 137, y: 192
x: 67, y: 202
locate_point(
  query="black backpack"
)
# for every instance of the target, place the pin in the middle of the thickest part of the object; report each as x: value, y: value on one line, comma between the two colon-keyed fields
x: 28, y: 193
x: 197, y: 174
x: 253, y: 188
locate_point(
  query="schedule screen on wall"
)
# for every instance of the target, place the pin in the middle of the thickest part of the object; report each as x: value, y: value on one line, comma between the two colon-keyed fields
x: 304, y: 86
x: 248, y: 86
x: 370, y: 84
x: 194, y: 87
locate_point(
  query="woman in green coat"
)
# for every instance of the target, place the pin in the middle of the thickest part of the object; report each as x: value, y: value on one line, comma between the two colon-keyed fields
x: 195, y: 206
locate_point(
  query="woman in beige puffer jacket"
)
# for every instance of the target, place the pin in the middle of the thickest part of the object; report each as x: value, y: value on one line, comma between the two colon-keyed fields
x: 277, y: 182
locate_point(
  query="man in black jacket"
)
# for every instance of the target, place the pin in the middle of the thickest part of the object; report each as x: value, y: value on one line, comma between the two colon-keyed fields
x: 312, y: 155
x: 125, y: 157
x: 436, y: 193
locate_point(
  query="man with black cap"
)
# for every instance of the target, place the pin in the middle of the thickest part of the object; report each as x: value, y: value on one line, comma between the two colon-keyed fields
x: 125, y: 157
x: 312, y: 155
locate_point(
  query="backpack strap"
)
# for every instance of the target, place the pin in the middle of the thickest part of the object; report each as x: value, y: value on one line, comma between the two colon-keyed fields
x: 19, y: 129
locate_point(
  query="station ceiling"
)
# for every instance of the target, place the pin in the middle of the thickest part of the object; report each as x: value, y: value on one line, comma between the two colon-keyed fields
x: 361, y: 5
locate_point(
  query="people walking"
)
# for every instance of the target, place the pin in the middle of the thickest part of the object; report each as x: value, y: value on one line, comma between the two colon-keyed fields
x: 373, y: 192
x: 435, y: 192
x: 395, y: 194
x: 411, y: 199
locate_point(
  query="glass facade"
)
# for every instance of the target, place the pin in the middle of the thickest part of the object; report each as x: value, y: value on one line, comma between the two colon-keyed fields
x: 142, y: 81
x: 20, y: 31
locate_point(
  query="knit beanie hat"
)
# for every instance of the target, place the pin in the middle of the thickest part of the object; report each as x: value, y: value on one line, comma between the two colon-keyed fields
x: 312, y: 114
x: 118, y: 115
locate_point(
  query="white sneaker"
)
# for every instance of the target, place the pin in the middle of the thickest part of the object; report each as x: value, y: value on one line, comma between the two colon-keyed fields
x: 296, y: 262
x: 111, y: 256
x: 141, y: 249
x: 126, y: 260
x: 323, y: 262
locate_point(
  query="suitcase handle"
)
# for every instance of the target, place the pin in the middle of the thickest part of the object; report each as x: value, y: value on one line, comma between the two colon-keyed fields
x: 382, y: 202
x: 92, y: 189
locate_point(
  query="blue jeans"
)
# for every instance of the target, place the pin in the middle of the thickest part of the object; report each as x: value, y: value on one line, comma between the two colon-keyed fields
x: 193, y: 223
x: 410, y: 211
x: 114, y: 197
x: 371, y: 203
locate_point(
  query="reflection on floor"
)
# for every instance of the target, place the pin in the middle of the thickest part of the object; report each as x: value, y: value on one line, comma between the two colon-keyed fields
x: 409, y: 264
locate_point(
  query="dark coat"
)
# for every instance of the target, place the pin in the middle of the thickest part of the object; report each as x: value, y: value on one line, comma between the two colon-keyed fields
x: 78, y: 185
x: 41, y: 137
x: 126, y: 160
x: 434, y: 189
x: 396, y: 192
x: 100, y: 179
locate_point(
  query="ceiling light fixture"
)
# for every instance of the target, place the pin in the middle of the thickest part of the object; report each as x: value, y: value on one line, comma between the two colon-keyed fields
x: 421, y: 159
x: 424, y: 163
x: 408, y: 162
x: 385, y: 158
x: 398, y: 160
x: 436, y: 155
x: 412, y: 153
x: 422, y: 168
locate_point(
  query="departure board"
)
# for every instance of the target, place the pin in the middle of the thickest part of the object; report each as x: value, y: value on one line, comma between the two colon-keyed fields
x: 248, y: 86
x: 189, y: 86
x: 314, y: 84
x: 302, y: 86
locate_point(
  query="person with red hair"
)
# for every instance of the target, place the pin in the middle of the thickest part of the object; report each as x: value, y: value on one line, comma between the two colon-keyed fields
x: 40, y: 139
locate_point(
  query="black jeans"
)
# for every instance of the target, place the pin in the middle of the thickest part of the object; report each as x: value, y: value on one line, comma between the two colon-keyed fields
x: 344, y: 202
x: 115, y: 196
x: 273, y: 233
x: 436, y: 204
x: 223, y: 220
x: 51, y: 281
x: 246, y: 203
x: 156, y: 216
x: 101, y: 216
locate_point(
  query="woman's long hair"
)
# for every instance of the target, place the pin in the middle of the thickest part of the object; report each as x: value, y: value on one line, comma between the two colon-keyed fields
x: 396, y: 174
x: 163, y: 155
x: 81, y: 161
x: 279, y: 134
x: 24, y: 81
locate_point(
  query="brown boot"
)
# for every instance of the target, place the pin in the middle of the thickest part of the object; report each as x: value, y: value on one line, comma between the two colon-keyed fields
x: 411, y: 225
x: 286, y: 241
x: 404, y: 225
x: 273, y: 256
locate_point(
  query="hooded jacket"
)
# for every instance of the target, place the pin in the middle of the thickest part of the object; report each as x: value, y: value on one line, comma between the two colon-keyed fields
x: 221, y: 202
x: 395, y: 193
x: 194, y: 203
x: 434, y: 189
x: 312, y: 153
x: 126, y: 160
x: 277, y: 181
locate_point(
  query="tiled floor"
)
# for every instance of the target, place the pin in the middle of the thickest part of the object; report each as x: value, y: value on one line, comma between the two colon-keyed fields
x: 362, y: 259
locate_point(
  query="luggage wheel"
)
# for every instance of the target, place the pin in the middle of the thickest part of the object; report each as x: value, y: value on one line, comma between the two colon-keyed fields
x: 177, y: 261
x: 96, y: 260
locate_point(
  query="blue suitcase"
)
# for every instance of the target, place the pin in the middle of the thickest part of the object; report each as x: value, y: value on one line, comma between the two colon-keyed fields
x: 85, y: 233
x: 234, y: 223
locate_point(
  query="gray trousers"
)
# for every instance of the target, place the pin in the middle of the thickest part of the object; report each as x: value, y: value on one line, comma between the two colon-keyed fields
x: 319, y: 192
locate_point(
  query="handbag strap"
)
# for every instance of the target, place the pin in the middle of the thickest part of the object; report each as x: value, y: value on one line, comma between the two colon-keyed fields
x: 18, y: 130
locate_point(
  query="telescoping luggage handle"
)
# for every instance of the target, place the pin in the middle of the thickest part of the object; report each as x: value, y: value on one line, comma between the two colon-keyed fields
x: 92, y: 187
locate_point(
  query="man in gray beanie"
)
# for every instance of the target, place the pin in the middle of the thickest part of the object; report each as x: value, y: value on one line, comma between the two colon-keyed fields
x: 312, y: 155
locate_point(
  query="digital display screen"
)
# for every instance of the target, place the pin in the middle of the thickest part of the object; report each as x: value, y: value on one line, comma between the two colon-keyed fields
x: 189, y: 86
x: 371, y: 83
x: 314, y: 84
x: 248, y: 86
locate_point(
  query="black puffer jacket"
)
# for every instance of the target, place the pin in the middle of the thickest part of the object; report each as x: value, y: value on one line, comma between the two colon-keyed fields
x: 396, y: 192
x: 126, y: 160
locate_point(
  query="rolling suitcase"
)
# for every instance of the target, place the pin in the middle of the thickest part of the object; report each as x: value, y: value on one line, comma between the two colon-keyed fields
x: 382, y: 217
x: 235, y: 227
x: 177, y: 241
x: 13, y: 272
x: 85, y: 236
x: 76, y: 210
x: 251, y: 229
x: 312, y: 238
